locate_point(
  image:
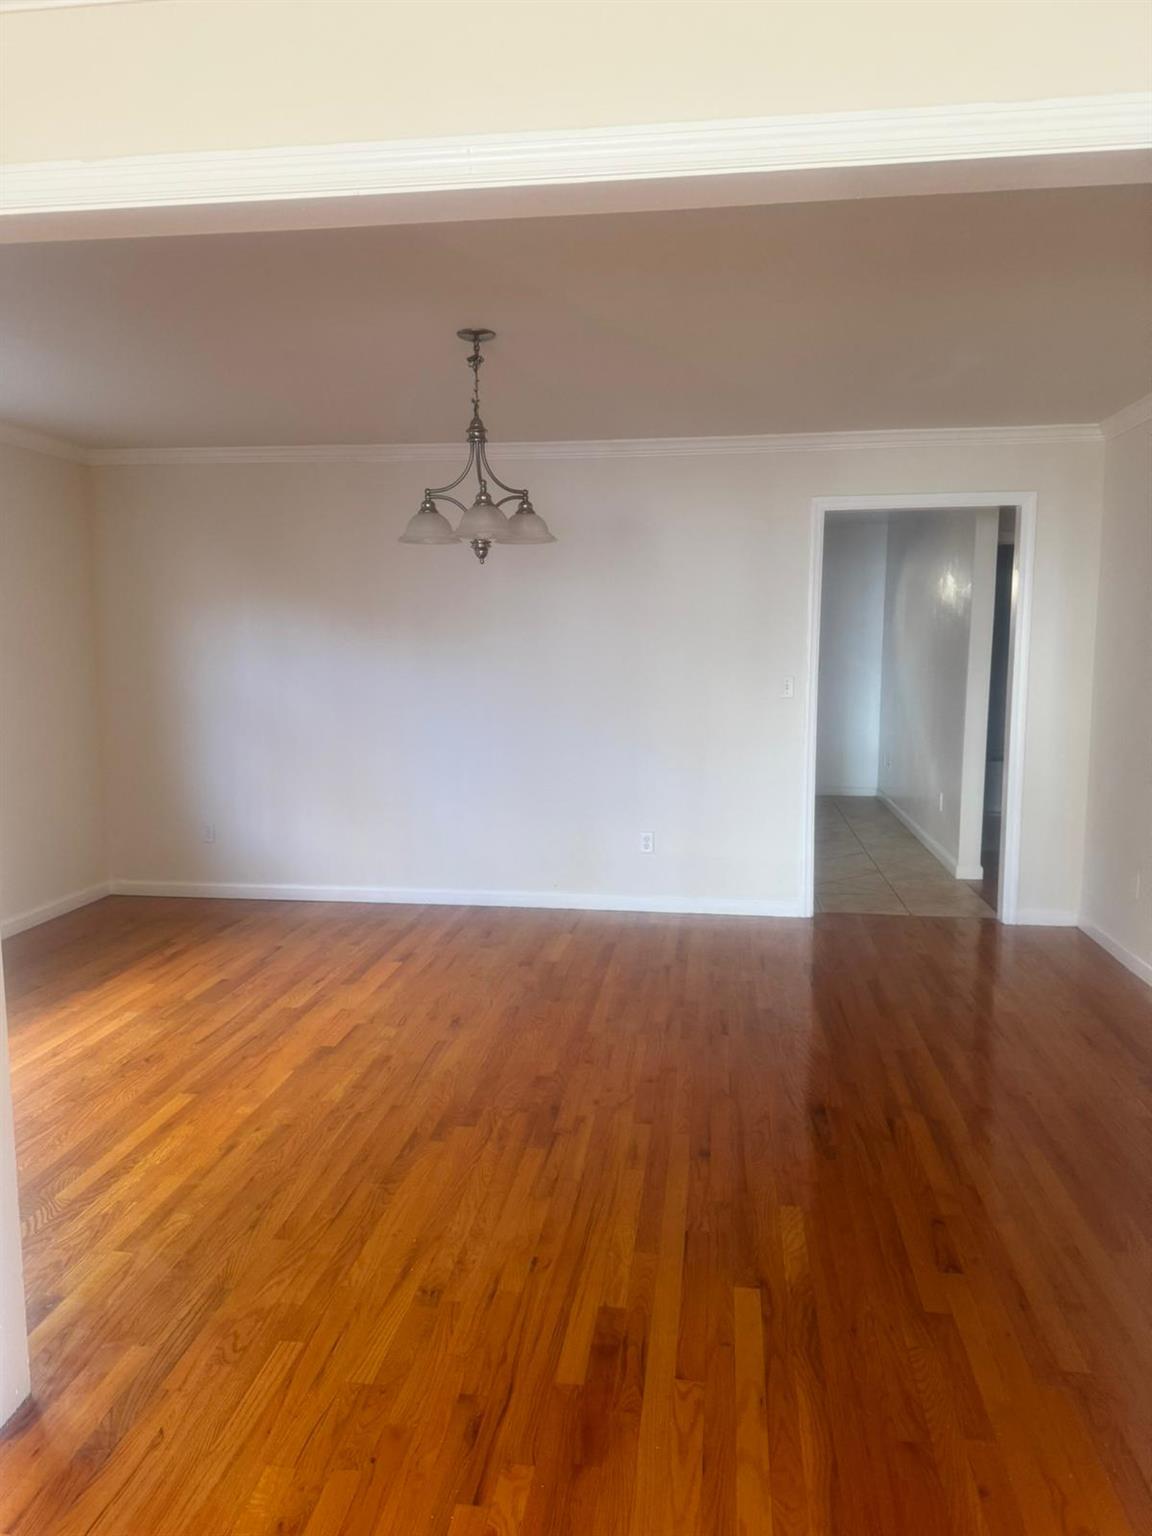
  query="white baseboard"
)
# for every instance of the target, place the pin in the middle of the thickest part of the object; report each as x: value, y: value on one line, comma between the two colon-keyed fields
x: 558, y: 900
x: 855, y: 792
x: 579, y: 901
x: 937, y: 850
x: 1118, y: 951
x: 36, y: 915
x: 1046, y: 917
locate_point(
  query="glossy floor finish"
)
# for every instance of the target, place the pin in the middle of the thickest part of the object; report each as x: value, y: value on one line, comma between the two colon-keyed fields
x: 868, y: 861
x: 347, y: 1220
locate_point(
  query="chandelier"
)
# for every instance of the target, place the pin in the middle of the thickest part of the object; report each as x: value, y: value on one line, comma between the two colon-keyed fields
x: 484, y: 523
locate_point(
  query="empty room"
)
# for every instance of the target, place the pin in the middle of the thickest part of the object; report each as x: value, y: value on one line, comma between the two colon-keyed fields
x: 575, y: 768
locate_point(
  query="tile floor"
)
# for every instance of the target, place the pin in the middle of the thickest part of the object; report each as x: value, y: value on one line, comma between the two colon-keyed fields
x: 867, y: 861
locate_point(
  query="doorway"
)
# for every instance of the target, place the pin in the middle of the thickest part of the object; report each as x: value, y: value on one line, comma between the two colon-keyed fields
x: 919, y: 628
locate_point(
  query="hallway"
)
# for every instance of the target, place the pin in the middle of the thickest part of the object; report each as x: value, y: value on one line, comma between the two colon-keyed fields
x: 868, y: 861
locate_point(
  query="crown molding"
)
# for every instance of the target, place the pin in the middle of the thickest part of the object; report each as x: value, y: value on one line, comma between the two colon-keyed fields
x: 609, y: 448
x: 41, y: 442
x: 605, y: 448
x: 1078, y: 125
x: 1134, y: 415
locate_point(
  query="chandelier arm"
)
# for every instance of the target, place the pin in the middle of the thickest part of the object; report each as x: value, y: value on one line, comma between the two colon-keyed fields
x: 438, y: 490
x: 512, y: 490
x: 440, y: 496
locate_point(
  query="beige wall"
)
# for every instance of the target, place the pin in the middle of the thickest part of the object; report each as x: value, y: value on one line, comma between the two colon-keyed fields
x: 1119, y: 837
x: 349, y: 712
x: 186, y: 75
x: 51, y: 811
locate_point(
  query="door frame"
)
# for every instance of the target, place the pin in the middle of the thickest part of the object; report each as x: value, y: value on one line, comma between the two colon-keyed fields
x: 1024, y: 502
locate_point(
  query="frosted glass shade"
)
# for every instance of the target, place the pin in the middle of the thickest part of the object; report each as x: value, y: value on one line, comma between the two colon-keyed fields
x: 483, y: 520
x: 526, y: 526
x: 429, y: 527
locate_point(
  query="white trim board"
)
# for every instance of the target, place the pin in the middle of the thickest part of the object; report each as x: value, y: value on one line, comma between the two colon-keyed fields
x: 416, y: 896
x: 605, y: 448
x: 1127, y: 957
x: 937, y: 850
x: 44, y: 914
x: 1063, y: 125
x: 1072, y: 140
x: 1025, y: 503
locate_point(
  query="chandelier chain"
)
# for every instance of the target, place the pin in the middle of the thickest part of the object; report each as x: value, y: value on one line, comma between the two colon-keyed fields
x: 475, y: 362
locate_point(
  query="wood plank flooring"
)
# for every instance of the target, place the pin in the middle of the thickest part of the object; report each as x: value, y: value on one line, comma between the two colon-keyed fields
x: 347, y: 1220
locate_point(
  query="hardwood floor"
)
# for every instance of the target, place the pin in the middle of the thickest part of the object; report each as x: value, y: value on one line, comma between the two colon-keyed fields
x: 347, y: 1220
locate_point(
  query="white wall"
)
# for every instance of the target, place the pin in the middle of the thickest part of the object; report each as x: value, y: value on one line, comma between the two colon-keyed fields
x: 937, y: 648
x: 51, y: 839
x: 52, y: 848
x: 349, y: 712
x: 851, y: 650
x: 1119, y: 832
x: 14, y: 1381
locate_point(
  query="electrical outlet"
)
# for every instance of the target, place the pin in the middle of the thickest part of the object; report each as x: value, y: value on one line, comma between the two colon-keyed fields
x: 208, y: 832
x: 788, y: 691
x: 647, y: 842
